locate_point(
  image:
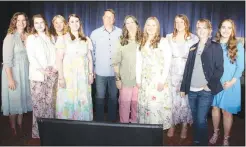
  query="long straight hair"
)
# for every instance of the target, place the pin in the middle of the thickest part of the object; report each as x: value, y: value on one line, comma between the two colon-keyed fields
x: 154, y: 42
x: 80, y: 31
x: 46, y: 30
x: 186, y: 23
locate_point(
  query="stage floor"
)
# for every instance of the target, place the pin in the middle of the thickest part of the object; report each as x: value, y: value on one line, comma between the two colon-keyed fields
x: 237, y: 134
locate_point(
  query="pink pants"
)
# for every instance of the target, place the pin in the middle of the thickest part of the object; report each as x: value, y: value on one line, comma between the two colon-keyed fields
x: 128, y: 104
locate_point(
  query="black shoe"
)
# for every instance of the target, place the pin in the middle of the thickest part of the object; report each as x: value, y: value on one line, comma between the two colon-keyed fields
x: 195, y: 144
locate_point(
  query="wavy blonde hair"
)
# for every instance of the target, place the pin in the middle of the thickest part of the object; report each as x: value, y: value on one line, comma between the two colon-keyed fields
x: 81, y: 31
x: 12, y: 26
x: 154, y: 42
x: 52, y: 26
x: 232, y: 42
x: 186, y: 23
x: 125, y: 33
x: 46, y: 30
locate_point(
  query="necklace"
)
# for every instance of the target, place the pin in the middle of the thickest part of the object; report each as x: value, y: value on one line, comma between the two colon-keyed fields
x: 23, y: 39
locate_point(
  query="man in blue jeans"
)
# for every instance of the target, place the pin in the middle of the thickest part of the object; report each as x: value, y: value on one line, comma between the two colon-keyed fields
x: 201, y: 79
x: 104, y: 41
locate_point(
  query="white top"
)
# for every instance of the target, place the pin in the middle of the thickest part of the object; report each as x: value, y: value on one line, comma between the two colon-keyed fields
x: 167, y: 54
x: 41, y: 54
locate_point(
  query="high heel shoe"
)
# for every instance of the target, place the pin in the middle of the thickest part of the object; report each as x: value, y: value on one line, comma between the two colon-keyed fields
x: 226, y: 141
x: 183, y: 134
x: 215, y: 136
x: 13, y: 132
x: 20, y: 130
x: 170, y: 132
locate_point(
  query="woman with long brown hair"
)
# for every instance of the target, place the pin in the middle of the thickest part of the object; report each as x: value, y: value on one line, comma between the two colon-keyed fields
x: 229, y: 100
x: 180, y: 41
x: 152, y: 75
x: 16, y: 97
x: 124, y: 62
x: 75, y: 69
x: 42, y: 73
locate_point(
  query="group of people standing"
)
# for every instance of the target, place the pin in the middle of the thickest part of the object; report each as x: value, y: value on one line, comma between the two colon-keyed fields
x: 172, y: 80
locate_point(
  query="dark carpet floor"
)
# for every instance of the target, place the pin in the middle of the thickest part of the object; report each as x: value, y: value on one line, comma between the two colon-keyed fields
x: 237, y: 134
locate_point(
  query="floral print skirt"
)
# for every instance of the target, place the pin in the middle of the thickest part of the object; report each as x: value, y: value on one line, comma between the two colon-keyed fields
x: 43, y: 100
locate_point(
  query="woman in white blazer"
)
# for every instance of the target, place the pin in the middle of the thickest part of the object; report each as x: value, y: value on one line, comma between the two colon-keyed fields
x: 42, y: 72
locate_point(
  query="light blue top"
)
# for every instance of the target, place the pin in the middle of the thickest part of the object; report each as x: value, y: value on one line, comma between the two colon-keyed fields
x: 104, y: 46
x: 16, y: 101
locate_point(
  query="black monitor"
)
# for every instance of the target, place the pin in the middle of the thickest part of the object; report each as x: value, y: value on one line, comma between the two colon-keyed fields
x: 89, y: 133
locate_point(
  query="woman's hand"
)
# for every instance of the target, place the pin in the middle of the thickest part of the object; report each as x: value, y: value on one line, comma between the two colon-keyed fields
x: 11, y: 84
x: 138, y: 85
x: 160, y: 86
x: 45, y: 72
x: 91, y: 78
x: 118, y: 84
x: 228, y: 84
x: 182, y: 94
x: 62, y: 83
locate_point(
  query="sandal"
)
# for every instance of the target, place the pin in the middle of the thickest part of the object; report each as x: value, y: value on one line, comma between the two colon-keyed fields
x: 226, y: 141
x: 215, y: 136
x: 13, y: 132
x: 183, y: 133
x: 170, y: 132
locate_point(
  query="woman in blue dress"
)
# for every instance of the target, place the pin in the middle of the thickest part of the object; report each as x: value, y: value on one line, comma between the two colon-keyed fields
x: 16, y: 96
x: 229, y: 100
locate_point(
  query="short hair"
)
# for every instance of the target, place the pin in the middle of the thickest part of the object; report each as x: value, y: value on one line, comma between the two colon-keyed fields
x: 109, y: 10
x: 206, y: 21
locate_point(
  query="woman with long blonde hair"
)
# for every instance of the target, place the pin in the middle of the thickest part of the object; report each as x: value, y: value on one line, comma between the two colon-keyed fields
x: 16, y: 97
x: 180, y: 41
x: 152, y: 75
x: 228, y: 100
x: 58, y: 27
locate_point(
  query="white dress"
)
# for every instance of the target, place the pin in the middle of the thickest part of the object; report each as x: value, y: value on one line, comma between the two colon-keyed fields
x: 153, y: 66
x: 181, y: 112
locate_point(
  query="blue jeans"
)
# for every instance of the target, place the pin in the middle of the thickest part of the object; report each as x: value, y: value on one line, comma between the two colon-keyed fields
x: 103, y: 83
x: 200, y: 103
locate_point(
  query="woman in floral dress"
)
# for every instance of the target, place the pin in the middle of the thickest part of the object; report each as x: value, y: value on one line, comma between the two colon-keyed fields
x: 180, y: 41
x: 152, y: 72
x: 42, y: 73
x: 74, y: 99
